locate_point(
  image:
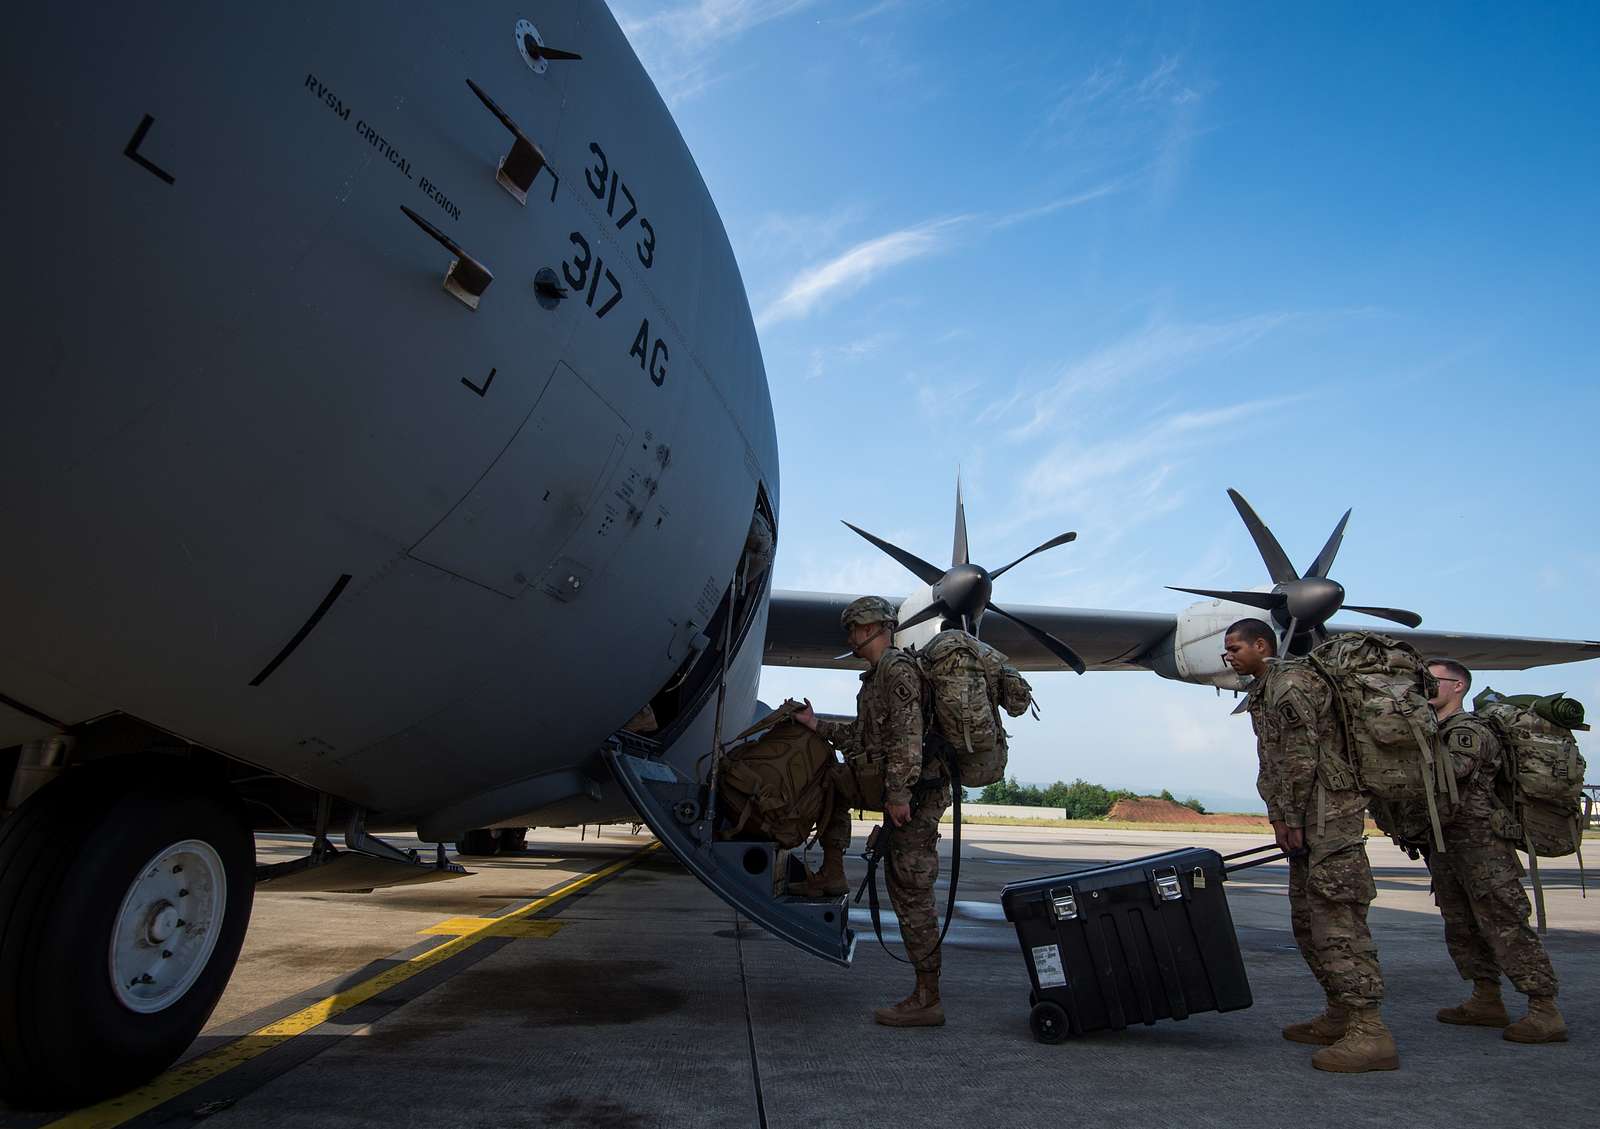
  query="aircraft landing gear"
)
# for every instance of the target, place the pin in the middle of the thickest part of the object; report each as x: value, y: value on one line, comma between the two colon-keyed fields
x: 490, y: 840
x: 125, y: 889
x: 479, y: 841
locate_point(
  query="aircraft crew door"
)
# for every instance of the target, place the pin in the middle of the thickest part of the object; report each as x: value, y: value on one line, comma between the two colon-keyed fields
x: 538, y: 497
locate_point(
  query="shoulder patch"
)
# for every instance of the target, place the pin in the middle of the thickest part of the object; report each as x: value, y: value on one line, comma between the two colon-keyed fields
x: 1289, y: 713
x: 1465, y: 738
x: 902, y: 691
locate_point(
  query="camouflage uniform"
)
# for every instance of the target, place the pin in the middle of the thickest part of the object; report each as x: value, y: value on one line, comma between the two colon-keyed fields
x: 887, y: 732
x: 1477, y: 880
x: 1306, y: 781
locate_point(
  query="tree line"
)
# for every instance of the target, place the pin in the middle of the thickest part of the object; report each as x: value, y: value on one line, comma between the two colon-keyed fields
x: 1080, y: 799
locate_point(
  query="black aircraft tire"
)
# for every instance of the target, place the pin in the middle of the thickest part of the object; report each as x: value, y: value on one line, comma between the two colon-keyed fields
x: 71, y: 860
x: 479, y: 841
x: 512, y: 840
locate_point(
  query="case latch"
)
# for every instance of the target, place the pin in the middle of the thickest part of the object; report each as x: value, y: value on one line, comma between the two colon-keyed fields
x: 1063, y: 904
x: 1168, y: 888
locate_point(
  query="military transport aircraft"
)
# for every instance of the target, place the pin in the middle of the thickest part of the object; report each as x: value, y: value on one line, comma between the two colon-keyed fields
x: 386, y: 428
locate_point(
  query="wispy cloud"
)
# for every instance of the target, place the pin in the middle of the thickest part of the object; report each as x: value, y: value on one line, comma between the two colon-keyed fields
x: 1157, y: 351
x: 678, y: 45
x: 1011, y: 219
x: 1122, y: 115
x: 853, y: 268
x: 825, y: 357
x: 848, y: 272
x: 1074, y: 470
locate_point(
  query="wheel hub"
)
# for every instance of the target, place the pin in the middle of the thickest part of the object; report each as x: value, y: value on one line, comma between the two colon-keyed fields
x: 163, y: 922
x: 167, y: 926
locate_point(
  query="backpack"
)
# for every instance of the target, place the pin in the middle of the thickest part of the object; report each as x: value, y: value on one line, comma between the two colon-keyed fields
x: 780, y: 786
x: 969, y: 682
x: 1542, y: 772
x: 1540, y: 779
x: 1381, y: 687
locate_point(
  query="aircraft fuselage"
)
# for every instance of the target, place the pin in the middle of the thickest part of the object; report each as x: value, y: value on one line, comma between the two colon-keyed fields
x: 278, y: 490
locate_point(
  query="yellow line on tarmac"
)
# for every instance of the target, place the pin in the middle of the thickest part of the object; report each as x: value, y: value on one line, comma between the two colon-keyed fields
x: 180, y: 1079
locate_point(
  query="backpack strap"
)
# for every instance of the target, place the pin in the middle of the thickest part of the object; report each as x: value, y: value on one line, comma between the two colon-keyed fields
x: 1431, y: 765
x: 781, y: 714
x: 880, y: 843
x: 1533, y: 872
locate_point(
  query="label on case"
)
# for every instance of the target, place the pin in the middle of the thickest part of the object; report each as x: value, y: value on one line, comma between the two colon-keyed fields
x: 1047, y: 966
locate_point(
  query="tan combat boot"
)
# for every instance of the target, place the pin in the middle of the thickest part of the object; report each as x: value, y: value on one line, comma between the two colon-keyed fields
x: 828, y: 882
x: 920, y: 1009
x: 1323, y: 1031
x: 1484, y: 1008
x: 1542, y: 1024
x: 1366, y: 1045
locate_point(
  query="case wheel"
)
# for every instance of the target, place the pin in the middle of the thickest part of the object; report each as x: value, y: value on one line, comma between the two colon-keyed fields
x: 1049, y: 1022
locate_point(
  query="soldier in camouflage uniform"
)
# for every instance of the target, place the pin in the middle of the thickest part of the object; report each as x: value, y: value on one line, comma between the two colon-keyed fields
x: 887, y: 734
x: 1477, y: 883
x: 1318, y: 812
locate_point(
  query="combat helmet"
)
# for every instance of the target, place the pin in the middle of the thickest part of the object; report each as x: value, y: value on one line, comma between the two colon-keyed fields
x: 868, y: 609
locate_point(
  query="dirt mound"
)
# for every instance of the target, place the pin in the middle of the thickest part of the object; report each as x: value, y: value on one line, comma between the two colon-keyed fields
x: 1149, y: 809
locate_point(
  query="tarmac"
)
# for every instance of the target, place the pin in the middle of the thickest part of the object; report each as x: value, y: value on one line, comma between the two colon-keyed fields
x: 589, y: 981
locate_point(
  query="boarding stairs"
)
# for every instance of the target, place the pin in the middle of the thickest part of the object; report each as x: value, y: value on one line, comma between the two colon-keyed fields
x: 751, y: 876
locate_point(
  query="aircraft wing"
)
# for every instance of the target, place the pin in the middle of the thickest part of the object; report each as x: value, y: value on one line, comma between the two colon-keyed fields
x: 803, y: 630
x: 1488, y: 652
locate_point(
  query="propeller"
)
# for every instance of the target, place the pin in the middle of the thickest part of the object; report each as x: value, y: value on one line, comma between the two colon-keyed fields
x: 1299, y: 605
x: 960, y: 594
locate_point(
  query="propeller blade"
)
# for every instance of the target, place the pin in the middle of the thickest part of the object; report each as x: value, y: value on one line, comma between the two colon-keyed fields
x: 1244, y: 704
x: 1267, y: 601
x: 958, y: 552
x: 1277, y: 561
x: 923, y: 616
x: 1055, y: 646
x: 918, y: 567
x: 1398, y: 615
x: 1050, y: 544
x: 1324, y: 561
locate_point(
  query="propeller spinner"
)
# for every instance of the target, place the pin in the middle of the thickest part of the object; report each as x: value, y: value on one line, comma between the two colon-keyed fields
x: 1299, y: 605
x: 961, y: 594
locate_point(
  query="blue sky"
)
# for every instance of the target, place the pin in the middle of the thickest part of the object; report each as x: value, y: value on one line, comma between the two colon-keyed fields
x: 1113, y: 259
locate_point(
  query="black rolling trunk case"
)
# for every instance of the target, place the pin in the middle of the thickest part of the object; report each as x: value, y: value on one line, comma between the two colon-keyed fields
x: 1126, y: 943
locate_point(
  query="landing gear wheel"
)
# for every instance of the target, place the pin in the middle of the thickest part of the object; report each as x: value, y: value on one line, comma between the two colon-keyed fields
x: 125, y: 889
x: 480, y: 841
x: 1049, y: 1022
x: 513, y: 840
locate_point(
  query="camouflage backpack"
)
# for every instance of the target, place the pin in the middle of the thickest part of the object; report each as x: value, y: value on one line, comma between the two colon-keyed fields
x: 780, y: 786
x: 1541, y: 777
x: 969, y: 683
x: 1381, y: 687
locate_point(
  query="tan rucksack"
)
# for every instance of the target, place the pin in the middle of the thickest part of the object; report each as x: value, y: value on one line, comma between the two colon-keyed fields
x: 1540, y: 781
x: 1541, y: 774
x: 969, y: 682
x: 1382, y: 687
x: 779, y: 787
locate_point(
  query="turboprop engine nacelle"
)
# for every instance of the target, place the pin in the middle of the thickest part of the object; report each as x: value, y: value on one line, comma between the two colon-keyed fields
x: 921, y: 634
x: 1194, y: 653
